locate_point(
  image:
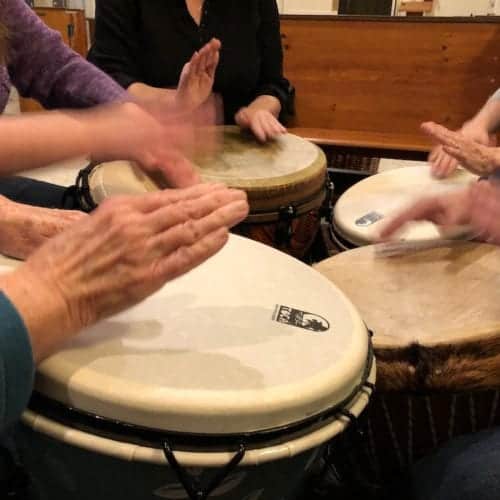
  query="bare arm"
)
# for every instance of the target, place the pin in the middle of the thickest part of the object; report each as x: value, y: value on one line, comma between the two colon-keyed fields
x: 154, y: 135
x: 488, y: 117
x: 143, y: 242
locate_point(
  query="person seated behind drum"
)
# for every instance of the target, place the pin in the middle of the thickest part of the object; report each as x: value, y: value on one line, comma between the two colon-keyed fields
x: 145, y: 45
x: 41, y: 66
x: 478, y: 132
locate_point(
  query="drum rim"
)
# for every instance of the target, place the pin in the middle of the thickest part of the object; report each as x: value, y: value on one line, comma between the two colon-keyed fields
x: 135, y: 434
x: 196, y: 457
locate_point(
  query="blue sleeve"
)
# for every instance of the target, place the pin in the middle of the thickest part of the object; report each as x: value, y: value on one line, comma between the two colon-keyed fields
x: 17, y: 366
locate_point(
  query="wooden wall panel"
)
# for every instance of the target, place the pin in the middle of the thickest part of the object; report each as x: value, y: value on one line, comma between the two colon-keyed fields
x: 388, y: 76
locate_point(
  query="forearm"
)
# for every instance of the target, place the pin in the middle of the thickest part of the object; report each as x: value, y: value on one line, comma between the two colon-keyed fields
x: 38, y: 139
x: 489, y: 116
x: 148, y: 93
x: 30, y: 141
x: 266, y: 103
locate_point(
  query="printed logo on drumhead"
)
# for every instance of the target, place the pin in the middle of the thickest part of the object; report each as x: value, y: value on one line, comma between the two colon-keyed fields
x: 369, y: 219
x: 301, y: 319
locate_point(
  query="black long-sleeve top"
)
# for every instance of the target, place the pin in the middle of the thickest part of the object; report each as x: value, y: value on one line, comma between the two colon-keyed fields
x: 149, y: 41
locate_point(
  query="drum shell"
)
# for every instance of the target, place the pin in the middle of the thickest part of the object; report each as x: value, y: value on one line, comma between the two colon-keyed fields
x: 294, y: 234
x: 63, y: 462
x: 437, y: 341
x: 59, y: 471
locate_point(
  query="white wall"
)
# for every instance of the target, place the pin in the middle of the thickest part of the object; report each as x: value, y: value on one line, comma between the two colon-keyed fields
x: 442, y: 7
x: 452, y: 8
x: 309, y: 6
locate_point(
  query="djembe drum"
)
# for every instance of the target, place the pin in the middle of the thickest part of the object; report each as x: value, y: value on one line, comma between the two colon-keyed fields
x: 285, y: 181
x: 226, y: 383
x: 363, y: 209
x: 436, y: 323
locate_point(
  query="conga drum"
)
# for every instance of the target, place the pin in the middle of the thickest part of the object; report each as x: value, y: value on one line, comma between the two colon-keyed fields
x: 436, y: 323
x: 363, y: 209
x: 226, y: 384
x: 285, y: 181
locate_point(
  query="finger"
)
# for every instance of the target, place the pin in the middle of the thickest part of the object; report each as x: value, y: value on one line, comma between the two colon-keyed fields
x: 447, y: 165
x: 434, y: 154
x: 205, y: 58
x: 257, y: 129
x: 425, y: 209
x: 194, y: 64
x: 439, y: 161
x: 184, y: 259
x: 192, y: 209
x: 278, y: 127
x: 266, y: 125
x: 190, y: 231
x: 441, y: 134
x: 214, y: 62
x: 242, y: 118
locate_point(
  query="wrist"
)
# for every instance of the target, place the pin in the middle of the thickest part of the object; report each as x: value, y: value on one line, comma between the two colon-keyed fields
x: 44, y: 311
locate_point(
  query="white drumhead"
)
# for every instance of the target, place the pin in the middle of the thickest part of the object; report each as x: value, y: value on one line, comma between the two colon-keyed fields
x: 362, y: 210
x: 118, y: 178
x: 207, y: 354
x: 244, y: 162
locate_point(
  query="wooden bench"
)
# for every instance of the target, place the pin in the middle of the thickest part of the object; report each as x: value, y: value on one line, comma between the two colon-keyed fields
x: 366, y: 84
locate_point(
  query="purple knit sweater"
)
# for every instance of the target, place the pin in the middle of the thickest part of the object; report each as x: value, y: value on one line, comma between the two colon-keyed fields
x: 41, y: 66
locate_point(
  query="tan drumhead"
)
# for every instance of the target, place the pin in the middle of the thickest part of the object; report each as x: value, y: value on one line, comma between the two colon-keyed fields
x: 443, y: 295
x: 251, y: 340
x: 362, y: 210
x: 287, y: 170
x: 118, y: 178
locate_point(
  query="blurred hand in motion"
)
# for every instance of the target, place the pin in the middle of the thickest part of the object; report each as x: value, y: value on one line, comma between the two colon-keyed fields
x: 198, y: 75
x: 126, y: 250
x: 477, y: 206
x: 24, y: 228
x: 159, y: 137
x: 468, y: 147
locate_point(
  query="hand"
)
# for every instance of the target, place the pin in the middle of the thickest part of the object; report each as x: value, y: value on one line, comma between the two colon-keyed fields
x: 443, y: 161
x: 126, y: 250
x: 158, y: 137
x: 485, y: 211
x: 197, y: 77
x: 447, y: 210
x: 24, y: 228
x: 477, y: 206
x: 261, y: 122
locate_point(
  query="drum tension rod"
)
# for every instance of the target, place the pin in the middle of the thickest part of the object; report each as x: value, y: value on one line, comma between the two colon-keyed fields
x: 191, y: 484
x: 327, y: 208
x: 284, y: 230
